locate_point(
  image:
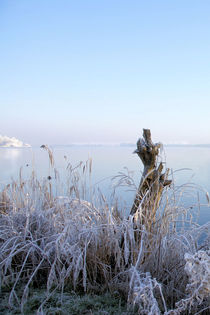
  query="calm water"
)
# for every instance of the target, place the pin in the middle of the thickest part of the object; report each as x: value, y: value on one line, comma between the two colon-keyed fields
x: 189, y: 165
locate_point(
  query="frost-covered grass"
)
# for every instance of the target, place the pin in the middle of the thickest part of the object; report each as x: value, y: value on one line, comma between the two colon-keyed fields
x: 68, y: 237
x: 71, y: 303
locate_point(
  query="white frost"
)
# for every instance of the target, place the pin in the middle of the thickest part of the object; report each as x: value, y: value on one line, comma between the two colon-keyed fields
x: 7, y: 142
x: 198, y: 269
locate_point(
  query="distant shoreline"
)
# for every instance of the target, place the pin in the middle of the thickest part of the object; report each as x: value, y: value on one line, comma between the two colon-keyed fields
x: 105, y: 145
x: 125, y: 145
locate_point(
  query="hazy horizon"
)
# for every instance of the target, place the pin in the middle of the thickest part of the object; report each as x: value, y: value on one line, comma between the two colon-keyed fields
x: 101, y: 71
x: 6, y: 142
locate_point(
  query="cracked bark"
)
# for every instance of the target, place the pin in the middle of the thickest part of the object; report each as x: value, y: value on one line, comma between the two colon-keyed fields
x: 152, y: 182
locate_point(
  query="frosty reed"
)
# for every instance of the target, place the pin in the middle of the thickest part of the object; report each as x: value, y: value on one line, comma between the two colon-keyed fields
x: 67, y: 236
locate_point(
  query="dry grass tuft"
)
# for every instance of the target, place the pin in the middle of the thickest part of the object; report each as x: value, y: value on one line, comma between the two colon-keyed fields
x: 64, y: 241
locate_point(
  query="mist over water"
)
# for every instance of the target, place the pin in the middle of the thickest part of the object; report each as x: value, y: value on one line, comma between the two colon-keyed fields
x: 189, y: 165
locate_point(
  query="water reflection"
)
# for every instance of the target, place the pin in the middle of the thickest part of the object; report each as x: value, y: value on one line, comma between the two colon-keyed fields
x: 11, y: 160
x: 9, y: 154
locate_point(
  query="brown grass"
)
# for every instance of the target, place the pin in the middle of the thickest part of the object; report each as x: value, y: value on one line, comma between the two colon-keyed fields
x: 66, y: 241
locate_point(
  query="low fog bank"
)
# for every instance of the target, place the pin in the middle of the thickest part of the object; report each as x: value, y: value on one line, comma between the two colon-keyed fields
x: 7, y: 142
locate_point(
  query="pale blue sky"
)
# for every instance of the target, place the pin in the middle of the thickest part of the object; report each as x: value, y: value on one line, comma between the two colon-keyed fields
x: 101, y: 70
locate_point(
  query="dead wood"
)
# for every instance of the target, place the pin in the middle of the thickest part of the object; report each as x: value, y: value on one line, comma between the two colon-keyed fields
x: 152, y: 182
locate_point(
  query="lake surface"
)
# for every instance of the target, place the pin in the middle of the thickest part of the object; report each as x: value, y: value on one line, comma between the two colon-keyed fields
x: 189, y: 165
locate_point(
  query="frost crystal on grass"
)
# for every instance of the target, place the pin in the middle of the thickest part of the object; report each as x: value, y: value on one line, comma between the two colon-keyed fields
x: 198, y: 269
x: 73, y: 238
x: 142, y: 293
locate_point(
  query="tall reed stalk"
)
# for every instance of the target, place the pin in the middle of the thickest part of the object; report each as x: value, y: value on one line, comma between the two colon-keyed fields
x: 75, y: 241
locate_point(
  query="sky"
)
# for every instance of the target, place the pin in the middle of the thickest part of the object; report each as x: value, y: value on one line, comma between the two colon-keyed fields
x: 99, y: 71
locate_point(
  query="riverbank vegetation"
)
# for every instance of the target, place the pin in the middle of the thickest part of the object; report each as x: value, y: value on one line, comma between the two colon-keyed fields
x: 60, y: 242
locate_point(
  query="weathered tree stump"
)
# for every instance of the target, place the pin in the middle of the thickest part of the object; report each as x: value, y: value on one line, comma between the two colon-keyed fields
x: 152, y: 182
